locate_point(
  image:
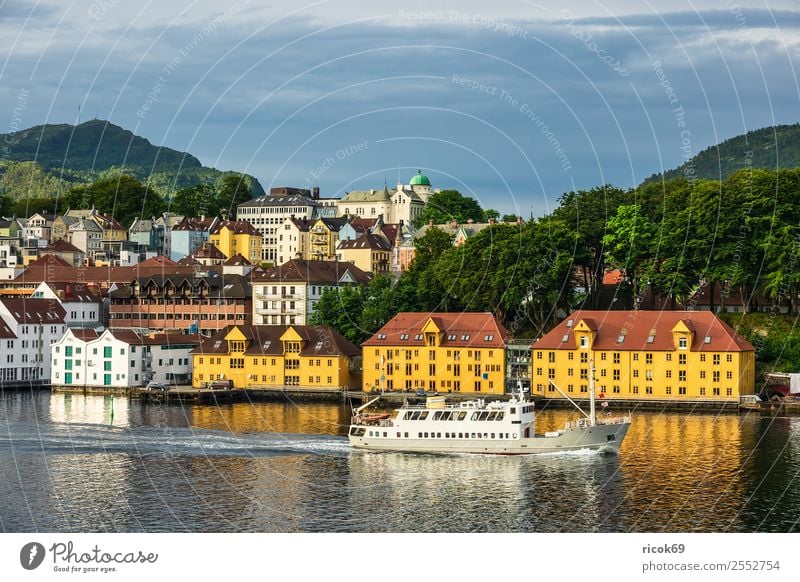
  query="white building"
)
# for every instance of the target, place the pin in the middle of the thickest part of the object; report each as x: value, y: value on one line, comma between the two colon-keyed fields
x: 269, y: 213
x: 37, y: 324
x: 289, y: 293
x: 122, y: 358
x: 83, y: 308
x: 404, y: 204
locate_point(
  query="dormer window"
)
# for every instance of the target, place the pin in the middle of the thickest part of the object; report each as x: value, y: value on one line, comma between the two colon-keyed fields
x: 584, y: 341
x: 682, y: 343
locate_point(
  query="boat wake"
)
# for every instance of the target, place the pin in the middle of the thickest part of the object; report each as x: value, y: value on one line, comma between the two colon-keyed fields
x: 93, y: 439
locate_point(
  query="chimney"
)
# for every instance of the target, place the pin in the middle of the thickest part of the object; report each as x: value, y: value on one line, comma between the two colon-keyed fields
x: 430, y: 222
x: 519, y: 220
x: 315, y: 192
x: 454, y: 223
x: 470, y: 221
x: 492, y: 221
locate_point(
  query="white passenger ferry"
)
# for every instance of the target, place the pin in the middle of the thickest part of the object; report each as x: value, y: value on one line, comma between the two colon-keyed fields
x: 477, y: 426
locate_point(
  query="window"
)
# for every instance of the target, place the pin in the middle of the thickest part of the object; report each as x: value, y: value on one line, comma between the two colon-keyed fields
x: 584, y: 341
x: 602, y: 356
x: 648, y: 358
x: 682, y: 390
x: 584, y: 358
x: 682, y: 343
x: 716, y: 359
x: 682, y: 359
x: 616, y: 374
x: 728, y: 358
x: 616, y: 357
x: 551, y: 357
x: 716, y: 376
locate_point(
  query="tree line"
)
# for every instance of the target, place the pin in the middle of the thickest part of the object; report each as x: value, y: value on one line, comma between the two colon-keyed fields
x: 736, y: 236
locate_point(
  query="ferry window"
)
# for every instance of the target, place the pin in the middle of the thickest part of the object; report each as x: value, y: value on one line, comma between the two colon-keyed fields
x: 462, y: 415
x: 437, y: 415
x: 479, y: 435
x: 438, y: 435
x: 426, y: 435
x: 419, y: 435
x: 461, y: 435
x: 513, y: 411
x: 486, y: 435
x: 423, y: 415
x: 475, y: 415
x: 473, y: 435
x: 500, y: 415
x: 492, y: 416
x: 492, y: 435
x: 483, y: 416
x: 398, y: 435
x: 384, y: 434
x: 405, y: 434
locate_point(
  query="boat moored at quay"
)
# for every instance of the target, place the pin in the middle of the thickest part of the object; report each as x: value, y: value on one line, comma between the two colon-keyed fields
x: 477, y: 426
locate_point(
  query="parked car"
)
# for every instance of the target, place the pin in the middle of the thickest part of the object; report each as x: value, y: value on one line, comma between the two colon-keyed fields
x: 420, y: 392
x: 221, y: 385
x: 157, y: 386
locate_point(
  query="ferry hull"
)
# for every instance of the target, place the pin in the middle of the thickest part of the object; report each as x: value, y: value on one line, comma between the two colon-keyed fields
x: 604, y: 438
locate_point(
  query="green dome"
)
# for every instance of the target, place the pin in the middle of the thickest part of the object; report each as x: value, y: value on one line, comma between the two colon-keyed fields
x: 420, y: 179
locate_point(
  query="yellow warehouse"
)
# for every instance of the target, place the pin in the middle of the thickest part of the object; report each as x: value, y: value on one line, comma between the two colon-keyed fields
x: 267, y: 356
x: 444, y: 352
x: 644, y: 355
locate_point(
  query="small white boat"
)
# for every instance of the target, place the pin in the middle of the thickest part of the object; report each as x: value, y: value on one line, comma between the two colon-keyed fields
x: 477, y: 426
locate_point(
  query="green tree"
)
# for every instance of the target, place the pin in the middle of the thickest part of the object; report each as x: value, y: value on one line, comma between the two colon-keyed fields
x: 491, y: 214
x: 450, y: 205
x: 195, y: 201
x: 233, y: 190
x: 123, y: 197
x: 628, y: 243
x: 510, y: 218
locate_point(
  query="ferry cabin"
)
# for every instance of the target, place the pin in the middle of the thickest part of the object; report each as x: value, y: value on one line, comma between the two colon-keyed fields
x: 470, y: 421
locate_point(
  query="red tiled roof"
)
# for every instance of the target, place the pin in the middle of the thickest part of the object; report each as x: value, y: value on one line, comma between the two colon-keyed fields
x: 49, y: 260
x: 62, y: 246
x: 468, y: 329
x: 637, y: 326
x: 25, y: 310
x: 312, y: 272
x: 195, y: 223
x: 208, y: 251
x: 75, y: 292
x: 84, y: 334
x: 5, y: 331
x: 158, y: 261
x: 157, y: 339
x: 237, y: 260
x: 97, y: 275
x: 265, y: 340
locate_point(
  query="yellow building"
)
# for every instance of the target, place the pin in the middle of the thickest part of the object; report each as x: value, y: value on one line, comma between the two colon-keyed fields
x: 444, y: 352
x: 277, y: 356
x: 368, y: 252
x: 644, y: 355
x: 323, y: 238
x: 237, y: 237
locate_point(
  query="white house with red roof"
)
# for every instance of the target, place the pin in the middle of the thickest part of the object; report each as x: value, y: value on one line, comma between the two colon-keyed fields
x: 37, y: 324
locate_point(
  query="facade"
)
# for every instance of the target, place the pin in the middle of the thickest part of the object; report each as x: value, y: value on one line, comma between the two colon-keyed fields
x: 121, y: 358
x: 278, y: 356
x: 237, y: 237
x: 86, y: 235
x: 189, y: 234
x: 368, y: 252
x: 444, y: 352
x: 323, y: 238
x: 207, y: 255
x: 64, y: 250
x: 202, y: 302
x: 404, y: 204
x: 288, y: 294
x: 644, y: 355
x: 293, y: 239
x: 37, y: 323
x: 268, y: 214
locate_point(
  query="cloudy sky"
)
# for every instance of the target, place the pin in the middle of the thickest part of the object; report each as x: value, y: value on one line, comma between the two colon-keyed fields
x: 513, y: 102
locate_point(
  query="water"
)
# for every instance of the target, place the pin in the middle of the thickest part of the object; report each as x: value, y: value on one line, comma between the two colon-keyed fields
x: 67, y: 466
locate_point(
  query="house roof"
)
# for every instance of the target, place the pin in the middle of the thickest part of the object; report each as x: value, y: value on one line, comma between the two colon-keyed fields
x: 158, y: 261
x: 311, y: 272
x: 84, y: 333
x: 195, y: 223
x: 467, y: 329
x: 711, y: 334
x: 236, y: 226
x: 237, y: 260
x: 50, y: 260
x: 97, y: 275
x: 280, y: 200
x: 189, y: 260
x: 5, y: 331
x: 367, y: 196
x: 366, y: 241
x: 219, y: 286
x: 265, y: 340
x: 208, y: 251
x: 62, y: 246
x: 107, y: 222
x: 26, y: 310
x: 130, y: 336
x: 74, y: 292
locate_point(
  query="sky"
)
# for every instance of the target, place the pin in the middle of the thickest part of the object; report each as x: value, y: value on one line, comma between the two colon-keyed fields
x: 511, y: 102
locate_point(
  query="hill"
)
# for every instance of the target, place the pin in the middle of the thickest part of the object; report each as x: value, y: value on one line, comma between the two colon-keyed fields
x: 770, y: 147
x: 45, y: 159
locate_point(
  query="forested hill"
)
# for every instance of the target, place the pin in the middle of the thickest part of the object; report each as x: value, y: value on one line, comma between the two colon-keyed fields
x: 770, y: 147
x: 45, y: 158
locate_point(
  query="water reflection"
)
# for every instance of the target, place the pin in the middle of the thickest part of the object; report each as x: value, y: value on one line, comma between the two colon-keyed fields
x: 286, y: 467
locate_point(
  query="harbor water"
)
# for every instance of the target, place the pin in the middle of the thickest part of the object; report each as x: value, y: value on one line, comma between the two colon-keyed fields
x: 74, y: 463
